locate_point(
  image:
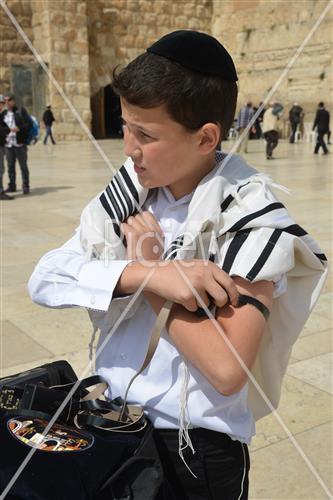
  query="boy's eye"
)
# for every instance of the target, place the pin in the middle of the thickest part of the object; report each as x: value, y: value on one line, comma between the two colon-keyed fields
x: 146, y: 136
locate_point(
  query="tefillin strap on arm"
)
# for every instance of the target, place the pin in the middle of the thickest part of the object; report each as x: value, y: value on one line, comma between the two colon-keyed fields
x: 242, y: 301
x: 247, y: 299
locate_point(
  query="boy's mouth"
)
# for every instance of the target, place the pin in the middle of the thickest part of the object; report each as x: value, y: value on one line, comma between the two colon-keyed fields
x: 138, y: 170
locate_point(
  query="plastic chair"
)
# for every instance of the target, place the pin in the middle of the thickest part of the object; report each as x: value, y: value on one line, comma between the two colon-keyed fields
x: 310, y: 135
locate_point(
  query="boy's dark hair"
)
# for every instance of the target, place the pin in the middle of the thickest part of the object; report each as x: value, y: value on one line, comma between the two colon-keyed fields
x: 191, y: 99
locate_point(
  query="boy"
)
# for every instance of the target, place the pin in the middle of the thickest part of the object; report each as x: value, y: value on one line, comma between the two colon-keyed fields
x: 229, y: 235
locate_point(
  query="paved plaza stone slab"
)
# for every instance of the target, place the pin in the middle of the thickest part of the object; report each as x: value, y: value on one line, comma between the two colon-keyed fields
x: 15, y: 345
x: 278, y: 472
x: 63, y: 179
x: 316, y: 371
x: 297, y: 412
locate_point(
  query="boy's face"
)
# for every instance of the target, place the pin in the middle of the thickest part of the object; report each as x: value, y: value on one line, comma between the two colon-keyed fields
x: 163, y: 151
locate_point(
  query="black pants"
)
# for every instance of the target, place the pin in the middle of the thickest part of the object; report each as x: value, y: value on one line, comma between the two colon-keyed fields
x: 20, y: 154
x: 272, y: 139
x: 321, y: 142
x: 48, y: 134
x: 220, y: 464
x: 293, y: 131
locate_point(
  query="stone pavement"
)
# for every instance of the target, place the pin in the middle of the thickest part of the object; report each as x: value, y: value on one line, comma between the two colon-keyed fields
x: 63, y: 179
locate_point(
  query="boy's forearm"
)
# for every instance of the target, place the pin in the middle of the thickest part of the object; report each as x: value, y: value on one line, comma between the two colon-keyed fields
x: 131, y: 278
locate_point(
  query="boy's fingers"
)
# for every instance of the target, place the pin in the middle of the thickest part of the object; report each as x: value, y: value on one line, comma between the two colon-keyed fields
x: 190, y: 304
x: 218, y: 294
x: 151, y: 222
x: 228, y: 284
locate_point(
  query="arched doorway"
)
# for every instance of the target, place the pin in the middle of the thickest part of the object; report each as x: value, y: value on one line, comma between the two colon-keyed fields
x: 106, y: 114
x: 112, y: 114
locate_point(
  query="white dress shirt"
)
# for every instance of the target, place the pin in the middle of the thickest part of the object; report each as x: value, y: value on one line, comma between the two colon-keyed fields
x: 64, y: 278
x: 11, y: 137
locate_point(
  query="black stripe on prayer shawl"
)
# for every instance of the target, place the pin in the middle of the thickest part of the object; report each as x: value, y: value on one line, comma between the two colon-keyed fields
x: 242, y: 222
x: 175, y: 245
x: 240, y: 187
x: 130, y: 209
x: 234, y: 247
x: 108, y: 209
x: 114, y: 203
x: 295, y: 230
x: 225, y: 203
x: 263, y: 257
x: 120, y: 199
x: 129, y: 183
x: 230, y: 198
x: 320, y: 256
x: 211, y: 257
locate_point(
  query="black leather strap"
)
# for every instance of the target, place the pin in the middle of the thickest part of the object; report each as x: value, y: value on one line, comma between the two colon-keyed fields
x: 247, y: 299
x: 242, y: 301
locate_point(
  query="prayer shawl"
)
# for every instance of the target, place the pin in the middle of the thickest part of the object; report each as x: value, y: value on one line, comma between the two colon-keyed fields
x: 234, y: 219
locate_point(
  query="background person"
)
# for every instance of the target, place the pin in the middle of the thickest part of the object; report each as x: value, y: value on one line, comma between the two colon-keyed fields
x: 245, y: 115
x: 270, y: 128
x: 4, y: 131
x: 48, y: 119
x: 295, y: 118
x: 322, y: 124
x: 19, y: 124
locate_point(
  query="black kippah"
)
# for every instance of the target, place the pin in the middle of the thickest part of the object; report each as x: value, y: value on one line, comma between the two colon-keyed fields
x: 196, y: 51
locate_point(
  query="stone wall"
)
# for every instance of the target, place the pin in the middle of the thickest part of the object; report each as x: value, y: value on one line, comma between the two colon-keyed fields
x: 119, y: 30
x: 263, y: 36
x: 12, y: 47
x: 82, y: 41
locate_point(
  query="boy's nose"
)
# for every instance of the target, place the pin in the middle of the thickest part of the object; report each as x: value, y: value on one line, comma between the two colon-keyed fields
x: 132, y: 148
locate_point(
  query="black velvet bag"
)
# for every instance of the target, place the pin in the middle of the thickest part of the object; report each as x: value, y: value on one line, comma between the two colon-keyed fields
x: 86, y: 465
x: 96, y: 449
x: 82, y: 446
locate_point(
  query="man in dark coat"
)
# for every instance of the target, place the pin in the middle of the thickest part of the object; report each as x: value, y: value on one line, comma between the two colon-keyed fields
x: 322, y: 123
x: 48, y: 120
x: 4, y: 131
x: 17, y: 119
x: 295, y: 116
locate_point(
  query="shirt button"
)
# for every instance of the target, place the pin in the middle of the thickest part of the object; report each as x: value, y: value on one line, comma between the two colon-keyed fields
x: 92, y: 300
x: 123, y: 355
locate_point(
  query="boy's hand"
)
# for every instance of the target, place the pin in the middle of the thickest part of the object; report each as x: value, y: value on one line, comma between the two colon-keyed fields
x: 144, y: 237
x: 177, y: 280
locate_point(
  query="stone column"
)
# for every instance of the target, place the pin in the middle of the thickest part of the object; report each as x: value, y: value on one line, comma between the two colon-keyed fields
x: 13, y: 49
x: 61, y: 38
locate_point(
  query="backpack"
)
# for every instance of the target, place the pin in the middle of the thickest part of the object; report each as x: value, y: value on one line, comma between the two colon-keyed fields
x: 33, y: 134
x: 277, y: 108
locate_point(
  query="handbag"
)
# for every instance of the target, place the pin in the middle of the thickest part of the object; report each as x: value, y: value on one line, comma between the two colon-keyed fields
x: 95, y: 449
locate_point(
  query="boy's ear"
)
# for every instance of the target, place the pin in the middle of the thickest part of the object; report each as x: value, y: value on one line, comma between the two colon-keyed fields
x: 209, y: 135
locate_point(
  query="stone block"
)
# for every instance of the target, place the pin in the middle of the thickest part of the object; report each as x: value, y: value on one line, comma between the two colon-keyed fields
x: 83, y: 89
x: 81, y: 102
x: 80, y: 48
x: 60, y: 45
x: 71, y: 88
x: 57, y: 19
x: 70, y: 35
x: 67, y: 116
x: 86, y: 116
